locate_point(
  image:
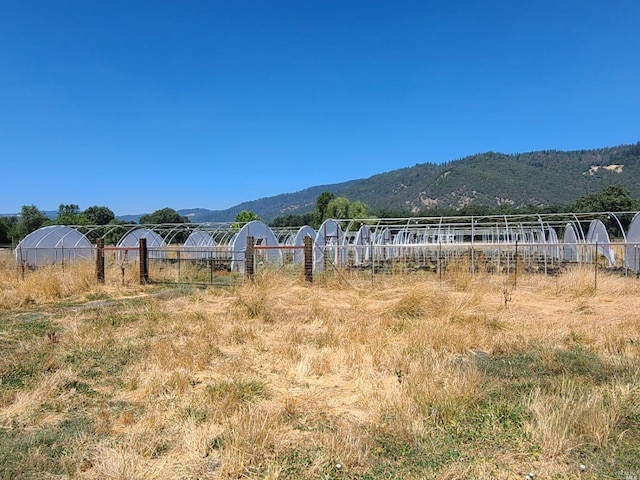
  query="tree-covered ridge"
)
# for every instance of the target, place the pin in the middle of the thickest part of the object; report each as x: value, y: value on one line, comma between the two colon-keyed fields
x: 538, y: 178
x: 543, y: 179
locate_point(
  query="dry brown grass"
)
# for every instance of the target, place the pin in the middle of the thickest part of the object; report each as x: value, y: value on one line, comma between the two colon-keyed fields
x: 22, y: 287
x: 407, y: 378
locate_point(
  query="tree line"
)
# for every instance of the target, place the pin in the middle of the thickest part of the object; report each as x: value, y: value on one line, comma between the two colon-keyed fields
x: 15, y: 228
x: 611, y: 199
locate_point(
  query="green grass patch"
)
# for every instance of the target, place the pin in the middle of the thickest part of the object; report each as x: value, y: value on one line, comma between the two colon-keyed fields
x: 23, y: 327
x: 97, y: 296
x: 42, y: 453
x: 23, y: 352
x: 240, y: 391
x: 20, y: 370
x: 542, y: 363
x: 108, y: 361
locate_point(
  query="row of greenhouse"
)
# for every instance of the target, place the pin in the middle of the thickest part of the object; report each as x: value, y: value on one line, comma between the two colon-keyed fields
x: 560, y: 238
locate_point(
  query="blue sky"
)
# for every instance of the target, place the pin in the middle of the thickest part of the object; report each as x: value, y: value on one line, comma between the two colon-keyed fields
x: 141, y: 105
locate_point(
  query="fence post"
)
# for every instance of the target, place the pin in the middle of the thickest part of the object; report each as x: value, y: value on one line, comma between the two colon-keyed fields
x: 308, y: 259
x: 249, y: 258
x: 144, y: 261
x: 100, y: 260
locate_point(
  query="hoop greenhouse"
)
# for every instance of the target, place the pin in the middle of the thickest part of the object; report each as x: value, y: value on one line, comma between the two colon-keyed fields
x: 613, y: 237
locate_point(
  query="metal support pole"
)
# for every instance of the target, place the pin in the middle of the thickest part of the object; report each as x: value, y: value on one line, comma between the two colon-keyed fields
x: 515, y: 269
x: 440, y: 261
x: 179, y: 266
x: 473, y: 234
x: 372, y: 259
x: 595, y: 272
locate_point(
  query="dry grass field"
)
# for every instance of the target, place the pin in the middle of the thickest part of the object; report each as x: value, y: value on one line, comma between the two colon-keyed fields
x: 406, y: 378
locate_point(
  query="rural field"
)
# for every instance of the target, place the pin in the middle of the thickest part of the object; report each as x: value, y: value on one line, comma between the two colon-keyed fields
x: 405, y: 377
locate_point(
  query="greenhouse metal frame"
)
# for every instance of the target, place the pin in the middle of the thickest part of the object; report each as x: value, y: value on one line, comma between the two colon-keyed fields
x: 547, y: 239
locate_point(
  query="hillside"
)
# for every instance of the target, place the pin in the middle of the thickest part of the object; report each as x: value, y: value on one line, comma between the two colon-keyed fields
x: 547, y: 177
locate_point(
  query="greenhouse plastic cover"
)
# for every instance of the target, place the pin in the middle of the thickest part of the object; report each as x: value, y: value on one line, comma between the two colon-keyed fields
x: 53, y: 244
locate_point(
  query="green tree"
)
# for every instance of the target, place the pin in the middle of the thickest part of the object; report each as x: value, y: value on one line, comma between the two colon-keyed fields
x: 320, y: 214
x: 614, y: 198
x: 102, y: 216
x: 244, y: 216
x: 358, y: 209
x: 7, y: 229
x: 164, y: 215
x: 69, y: 215
x: 31, y: 219
x: 70, y: 209
x: 111, y: 233
x: 292, y: 220
x: 337, y: 208
x: 98, y: 215
x: 342, y: 208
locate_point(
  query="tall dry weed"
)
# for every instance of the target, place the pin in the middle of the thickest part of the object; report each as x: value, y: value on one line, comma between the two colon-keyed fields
x: 26, y: 407
x: 466, y: 275
x: 120, y: 461
x: 572, y: 415
x: 249, y: 440
x: 577, y: 282
x: 23, y: 287
x: 347, y: 444
x: 432, y: 393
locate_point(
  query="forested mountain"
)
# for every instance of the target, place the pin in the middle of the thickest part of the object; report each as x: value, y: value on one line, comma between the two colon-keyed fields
x: 541, y: 178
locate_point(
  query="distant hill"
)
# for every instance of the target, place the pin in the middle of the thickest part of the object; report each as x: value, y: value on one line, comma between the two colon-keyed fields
x: 548, y: 177
x: 270, y: 207
x: 49, y: 214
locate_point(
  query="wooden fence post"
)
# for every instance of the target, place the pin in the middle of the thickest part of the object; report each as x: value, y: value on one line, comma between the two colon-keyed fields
x: 308, y: 259
x: 249, y: 258
x: 100, y: 260
x: 144, y: 261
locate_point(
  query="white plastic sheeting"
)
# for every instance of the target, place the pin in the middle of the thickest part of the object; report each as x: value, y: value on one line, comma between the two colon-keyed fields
x: 132, y: 239
x: 199, y: 245
x: 263, y: 235
x: 632, y: 247
x: 381, y: 240
x: 597, y: 237
x: 53, y: 244
x: 570, y: 241
x: 328, y: 239
x: 358, y: 241
x: 551, y: 248
x: 363, y: 245
x: 298, y: 241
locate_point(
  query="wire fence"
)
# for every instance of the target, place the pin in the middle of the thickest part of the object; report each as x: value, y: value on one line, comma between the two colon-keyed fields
x: 222, y: 266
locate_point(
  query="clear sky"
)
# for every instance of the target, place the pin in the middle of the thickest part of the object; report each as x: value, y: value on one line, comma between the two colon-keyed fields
x: 140, y: 105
